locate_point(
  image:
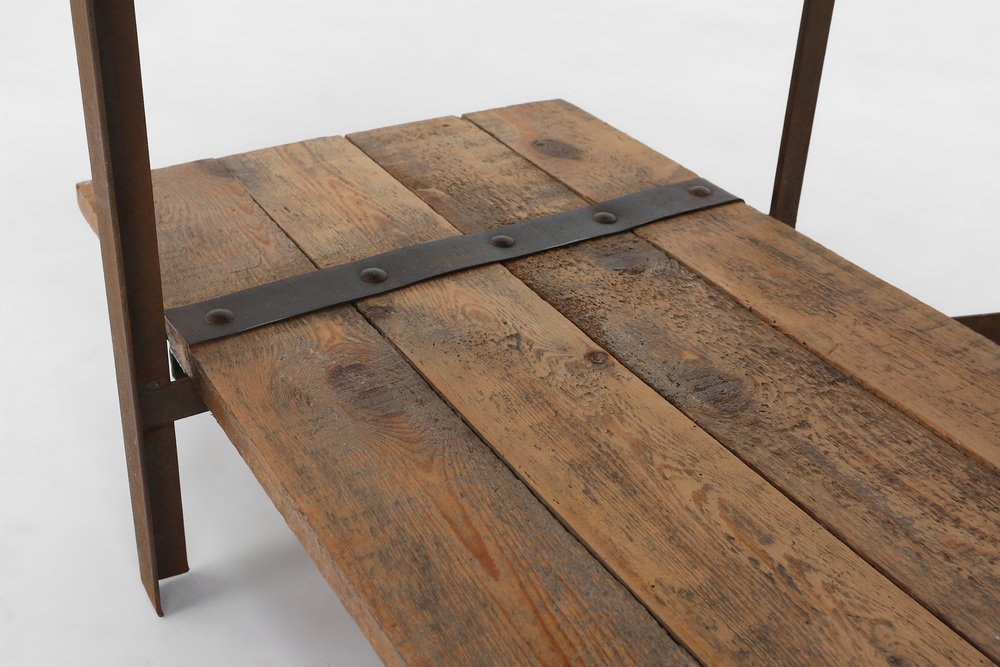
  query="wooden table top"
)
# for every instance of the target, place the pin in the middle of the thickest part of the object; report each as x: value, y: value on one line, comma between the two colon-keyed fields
x: 711, y: 440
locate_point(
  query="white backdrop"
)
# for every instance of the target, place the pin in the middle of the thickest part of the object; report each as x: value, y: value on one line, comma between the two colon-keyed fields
x: 903, y: 180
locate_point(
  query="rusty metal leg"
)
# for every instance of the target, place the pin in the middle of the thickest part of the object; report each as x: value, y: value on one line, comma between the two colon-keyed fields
x: 987, y: 324
x: 108, y: 56
x: 807, y: 71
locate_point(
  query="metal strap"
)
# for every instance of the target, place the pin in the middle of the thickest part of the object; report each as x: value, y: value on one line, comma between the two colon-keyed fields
x: 284, y: 299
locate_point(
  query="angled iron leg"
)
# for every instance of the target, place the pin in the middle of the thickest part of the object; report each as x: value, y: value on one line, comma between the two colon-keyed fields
x: 803, y: 92
x: 108, y: 57
x: 810, y: 53
x: 987, y: 324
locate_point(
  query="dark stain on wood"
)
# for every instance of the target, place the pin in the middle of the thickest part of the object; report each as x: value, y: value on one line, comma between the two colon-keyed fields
x: 557, y: 149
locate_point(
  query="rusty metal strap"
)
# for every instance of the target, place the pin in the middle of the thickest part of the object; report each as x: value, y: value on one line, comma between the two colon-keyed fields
x: 284, y: 299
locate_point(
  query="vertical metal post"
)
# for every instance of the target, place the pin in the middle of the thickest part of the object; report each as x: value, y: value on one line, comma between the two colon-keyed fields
x: 108, y: 55
x: 807, y: 71
x: 987, y: 324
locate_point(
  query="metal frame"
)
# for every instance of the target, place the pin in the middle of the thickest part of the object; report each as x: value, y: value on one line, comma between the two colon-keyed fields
x: 108, y: 55
x: 810, y: 53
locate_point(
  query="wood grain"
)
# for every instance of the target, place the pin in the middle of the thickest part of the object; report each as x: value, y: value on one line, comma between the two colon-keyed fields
x: 439, y: 552
x: 733, y: 568
x: 199, y: 258
x: 918, y: 359
x: 919, y: 510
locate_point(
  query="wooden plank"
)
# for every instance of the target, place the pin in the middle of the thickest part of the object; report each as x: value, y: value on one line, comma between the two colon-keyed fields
x: 735, y: 570
x: 912, y: 356
x: 439, y: 552
x: 919, y: 510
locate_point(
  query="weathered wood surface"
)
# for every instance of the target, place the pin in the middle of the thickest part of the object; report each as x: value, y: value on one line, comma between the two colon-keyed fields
x: 918, y: 359
x: 438, y: 551
x: 922, y: 512
x: 732, y: 568
x: 335, y: 423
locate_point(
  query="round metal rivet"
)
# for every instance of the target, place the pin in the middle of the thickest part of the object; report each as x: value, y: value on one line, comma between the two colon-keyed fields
x: 501, y: 241
x: 219, y: 316
x: 699, y: 191
x: 373, y: 274
x: 605, y: 218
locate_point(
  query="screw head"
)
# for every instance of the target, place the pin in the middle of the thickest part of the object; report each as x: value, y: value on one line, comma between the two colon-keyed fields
x: 605, y: 217
x: 502, y: 241
x: 219, y: 316
x: 699, y: 191
x: 373, y: 274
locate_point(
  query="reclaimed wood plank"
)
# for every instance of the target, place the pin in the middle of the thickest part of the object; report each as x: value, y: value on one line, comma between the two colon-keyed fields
x: 919, y: 510
x: 735, y: 570
x: 918, y: 359
x: 201, y: 259
x: 439, y: 552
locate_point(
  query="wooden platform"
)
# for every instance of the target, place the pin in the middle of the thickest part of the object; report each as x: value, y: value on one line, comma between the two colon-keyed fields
x: 711, y: 440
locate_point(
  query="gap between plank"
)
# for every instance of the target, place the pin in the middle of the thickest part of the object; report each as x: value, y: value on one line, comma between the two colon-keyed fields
x: 837, y: 534
x: 870, y: 386
x: 544, y: 503
x: 550, y: 533
x: 805, y: 509
x: 444, y: 399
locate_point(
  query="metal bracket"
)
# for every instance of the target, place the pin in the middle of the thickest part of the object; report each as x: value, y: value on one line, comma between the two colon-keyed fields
x: 162, y: 405
x: 284, y: 299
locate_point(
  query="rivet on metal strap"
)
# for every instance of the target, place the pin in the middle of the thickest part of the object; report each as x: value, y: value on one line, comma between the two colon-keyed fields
x: 219, y: 316
x: 502, y: 241
x: 373, y: 274
x: 364, y: 278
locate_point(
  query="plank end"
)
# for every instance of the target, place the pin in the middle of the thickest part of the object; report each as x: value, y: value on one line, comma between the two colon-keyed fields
x: 88, y: 204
